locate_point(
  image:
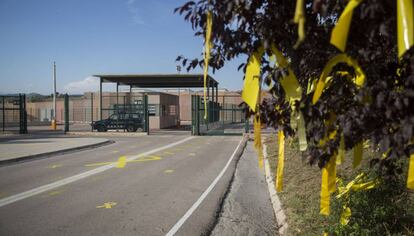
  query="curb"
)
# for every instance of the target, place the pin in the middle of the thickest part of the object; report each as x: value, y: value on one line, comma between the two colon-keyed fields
x: 105, y: 134
x: 59, y: 152
x: 277, y: 205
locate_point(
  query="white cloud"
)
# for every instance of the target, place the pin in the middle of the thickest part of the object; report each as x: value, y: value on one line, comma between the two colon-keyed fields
x: 133, y: 9
x: 89, y: 84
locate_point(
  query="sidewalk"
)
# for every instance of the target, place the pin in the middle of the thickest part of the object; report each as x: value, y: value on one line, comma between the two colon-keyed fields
x: 247, y: 209
x: 28, y: 148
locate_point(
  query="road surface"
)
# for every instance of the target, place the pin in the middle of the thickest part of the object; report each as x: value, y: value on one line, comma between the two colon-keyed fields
x: 148, y: 185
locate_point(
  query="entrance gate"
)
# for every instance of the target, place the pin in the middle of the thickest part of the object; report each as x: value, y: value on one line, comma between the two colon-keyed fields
x: 222, y: 118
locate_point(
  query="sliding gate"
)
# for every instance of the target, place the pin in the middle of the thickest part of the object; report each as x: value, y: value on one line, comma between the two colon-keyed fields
x: 221, y: 119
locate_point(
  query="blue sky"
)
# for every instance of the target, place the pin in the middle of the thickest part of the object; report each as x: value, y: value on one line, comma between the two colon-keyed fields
x: 87, y: 37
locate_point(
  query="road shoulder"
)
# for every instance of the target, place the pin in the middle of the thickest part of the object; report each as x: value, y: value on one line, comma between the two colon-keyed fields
x: 247, y: 209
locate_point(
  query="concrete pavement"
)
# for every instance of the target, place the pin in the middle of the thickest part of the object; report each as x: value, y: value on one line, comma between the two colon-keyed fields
x: 131, y: 194
x: 247, y: 209
x: 30, y: 147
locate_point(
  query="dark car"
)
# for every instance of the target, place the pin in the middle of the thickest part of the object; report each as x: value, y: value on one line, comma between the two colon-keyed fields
x: 129, y: 121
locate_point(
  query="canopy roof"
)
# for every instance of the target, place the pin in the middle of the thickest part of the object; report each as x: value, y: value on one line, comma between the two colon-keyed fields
x: 159, y: 80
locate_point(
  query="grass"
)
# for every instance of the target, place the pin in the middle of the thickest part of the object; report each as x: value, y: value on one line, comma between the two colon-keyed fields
x: 301, y: 188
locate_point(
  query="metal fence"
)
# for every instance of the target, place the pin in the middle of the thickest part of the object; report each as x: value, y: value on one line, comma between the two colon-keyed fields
x: 222, y: 118
x: 13, y: 116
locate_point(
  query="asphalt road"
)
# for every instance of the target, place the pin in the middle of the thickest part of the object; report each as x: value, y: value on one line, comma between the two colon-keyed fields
x: 136, y: 186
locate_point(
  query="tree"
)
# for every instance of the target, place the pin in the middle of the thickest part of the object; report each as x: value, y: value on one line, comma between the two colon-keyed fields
x: 380, y: 111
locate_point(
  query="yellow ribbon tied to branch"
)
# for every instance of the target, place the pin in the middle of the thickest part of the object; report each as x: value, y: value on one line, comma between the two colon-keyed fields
x: 327, y: 186
x: 405, y: 25
x: 280, y: 161
x: 258, y: 139
x: 340, y: 58
x: 207, y: 49
x: 300, y: 19
x: 251, y: 86
x: 340, y: 32
x: 410, y: 179
x: 358, y: 151
x: 293, y: 92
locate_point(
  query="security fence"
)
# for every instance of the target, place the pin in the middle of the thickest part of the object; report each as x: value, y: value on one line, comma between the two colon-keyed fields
x: 13, y: 116
x: 221, y: 117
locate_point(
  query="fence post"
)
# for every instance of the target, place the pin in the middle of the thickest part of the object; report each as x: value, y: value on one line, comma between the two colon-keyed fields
x: 66, y: 107
x: 91, y: 112
x: 3, y: 108
x: 146, y: 114
x: 21, y: 114
x: 246, y: 125
x: 25, y: 114
x: 197, y: 114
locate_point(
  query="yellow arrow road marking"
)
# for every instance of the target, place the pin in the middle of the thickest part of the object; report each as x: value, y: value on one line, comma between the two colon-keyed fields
x: 121, y: 162
x: 147, y: 158
x: 168, y: 153
x: 107, y: 205
x: 168, y: 171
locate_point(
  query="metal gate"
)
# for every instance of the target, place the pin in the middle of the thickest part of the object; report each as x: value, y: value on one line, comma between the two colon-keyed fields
x: 222, y: 118
x: 13, y: 116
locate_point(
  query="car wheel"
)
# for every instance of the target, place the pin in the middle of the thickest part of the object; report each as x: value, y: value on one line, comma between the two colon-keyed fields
x: 131, y: 128
x: 101, y: 128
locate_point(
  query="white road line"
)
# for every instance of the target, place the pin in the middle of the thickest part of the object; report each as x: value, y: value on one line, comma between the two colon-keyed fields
x: 190, y: 211
x: 59, y: 183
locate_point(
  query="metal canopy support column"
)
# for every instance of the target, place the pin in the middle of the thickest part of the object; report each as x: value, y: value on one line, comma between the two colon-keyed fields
x: 100, y: 99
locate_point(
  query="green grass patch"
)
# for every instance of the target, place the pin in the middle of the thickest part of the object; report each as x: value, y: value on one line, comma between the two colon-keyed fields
x: 387, y: 209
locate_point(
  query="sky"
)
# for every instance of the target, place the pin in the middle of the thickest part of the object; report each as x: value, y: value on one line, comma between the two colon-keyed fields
x: 87, y: 37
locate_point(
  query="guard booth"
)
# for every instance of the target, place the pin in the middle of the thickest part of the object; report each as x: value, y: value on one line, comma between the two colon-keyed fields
x: 162, y: 109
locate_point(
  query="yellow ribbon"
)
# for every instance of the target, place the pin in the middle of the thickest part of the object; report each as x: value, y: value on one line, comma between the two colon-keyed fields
x: 410, y: 179
x: 357, y: 155
x: 340, y: 32
x: 341, y: 150
x: 346, y: 214
x: 289, y: 82
x: 341, y: 58
x: 300, y: 19
x: 207, y: 48
x: 293, y: 92
x: 354, y: 186
x: 332, y: 175
x: 281, y: 161
x: 251, y: 86
x: 326, y: 186
x: 405, y: 25
x: 258, y: 139
x: 303, y: 144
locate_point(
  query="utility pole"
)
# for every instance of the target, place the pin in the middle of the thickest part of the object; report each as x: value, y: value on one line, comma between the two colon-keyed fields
x: 54, y: 97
